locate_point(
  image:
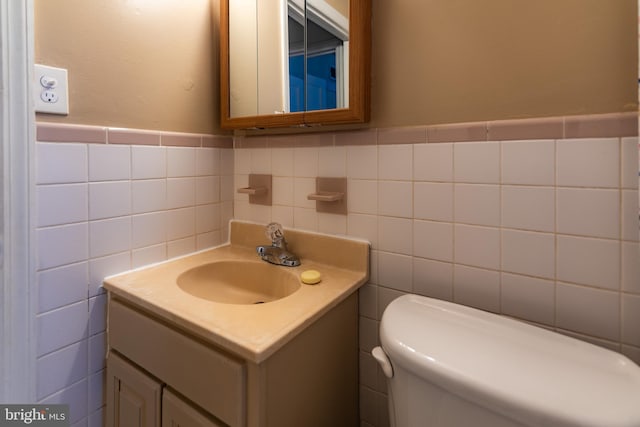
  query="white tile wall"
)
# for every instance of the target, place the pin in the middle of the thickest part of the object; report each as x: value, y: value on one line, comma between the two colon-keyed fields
x: 103, y: 209
x: 541, y: 230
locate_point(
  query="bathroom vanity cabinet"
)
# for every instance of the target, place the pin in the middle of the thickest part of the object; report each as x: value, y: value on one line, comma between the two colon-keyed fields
x: 159, y: 374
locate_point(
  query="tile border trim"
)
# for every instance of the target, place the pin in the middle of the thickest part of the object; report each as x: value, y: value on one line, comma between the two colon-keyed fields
x: 88, y: 134
x: 565, y: 127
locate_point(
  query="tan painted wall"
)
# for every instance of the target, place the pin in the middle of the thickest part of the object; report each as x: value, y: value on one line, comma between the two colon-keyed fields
x: 152, y: 64
x: 445, y: 61
x: 149, y: 64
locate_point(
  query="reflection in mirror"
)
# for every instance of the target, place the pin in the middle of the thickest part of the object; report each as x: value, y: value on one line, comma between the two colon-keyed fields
x: 292, y: 62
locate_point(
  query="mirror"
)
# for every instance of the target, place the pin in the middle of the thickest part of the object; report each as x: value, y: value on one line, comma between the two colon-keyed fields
x: 294, y: 62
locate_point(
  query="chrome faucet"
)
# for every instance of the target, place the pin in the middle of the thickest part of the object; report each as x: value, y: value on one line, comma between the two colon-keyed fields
x: 277, y: 253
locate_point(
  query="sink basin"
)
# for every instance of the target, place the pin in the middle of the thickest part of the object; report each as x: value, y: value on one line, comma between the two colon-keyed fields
x: 239, y: 282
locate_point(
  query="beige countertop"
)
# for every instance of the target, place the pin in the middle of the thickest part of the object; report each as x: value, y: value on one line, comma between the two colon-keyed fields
x: 252, y: 331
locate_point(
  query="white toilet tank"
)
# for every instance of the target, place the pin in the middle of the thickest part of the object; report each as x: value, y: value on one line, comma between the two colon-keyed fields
x: 451, y: 365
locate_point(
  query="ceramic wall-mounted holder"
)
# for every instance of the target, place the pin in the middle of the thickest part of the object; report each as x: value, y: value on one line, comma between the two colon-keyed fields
x: 259, y: 189
x: 330, y: 195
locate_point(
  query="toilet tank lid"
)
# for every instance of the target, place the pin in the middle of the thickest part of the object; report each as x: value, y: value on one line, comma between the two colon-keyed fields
x: 519, y: 370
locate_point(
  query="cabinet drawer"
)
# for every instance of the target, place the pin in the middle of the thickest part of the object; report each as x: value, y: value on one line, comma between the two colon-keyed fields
x: 211, y: 379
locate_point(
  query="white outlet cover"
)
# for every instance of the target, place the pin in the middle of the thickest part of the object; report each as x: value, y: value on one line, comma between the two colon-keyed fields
x: 56, y: 99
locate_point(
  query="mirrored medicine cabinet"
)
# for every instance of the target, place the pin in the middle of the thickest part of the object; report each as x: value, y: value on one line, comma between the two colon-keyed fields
x: 290, y: 63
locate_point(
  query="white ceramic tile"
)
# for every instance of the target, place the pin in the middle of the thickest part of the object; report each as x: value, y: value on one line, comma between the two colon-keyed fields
x: 587, y: 261
x: 148, y: 255
x: 261, y: 160
x: 181, y: 247
x: 76, y: 397
x: 226, y: 188
x: 99, y: 268
x: 433, y: 201
x: 368, y: 300
x: 281, y: 214
x: 395, y: 162
x: 302, y: 187
x: 282, y: 162
x: 61, y: 204
x: 588, y: 162
x: 181, y: 161
x: 477, y: 246
x: 305, y: 219
x: 242, y: 161
x: 282, y: 191
x: 528, y: 162
x: 226, y: 211
x: 433, y: 278
x: 362, y: 161
x: 109, y: 236
x: 97, y: 314
x: 241, y: 210
x: 181, y: 192
x: 631, y: 319
x: 332, y: 162
x: 395, y: 198
x: 148, y: 229
x: 528, y: 253
x: 207, y: 161
x: 51, y: 253
x: 368, y: 335
x: 109, y: 199
x: 97, y: 398
x: 528, y: 208
x: 395, y: 271
x: 208, y: 240
x: 373, y: 266
x: 631, y: 267
x: 476, y: 287
x: 362, y: 196
x: 227, y: 161
x: 207, y: 218
x: 630, y: 210
x: 207, y: 189
x: 395, y: 235
x: 305, y: 162
x: 61, y: 286
x: 364, y: 227
x: 368, y: 370
x: 97, y: 352
x: 433, y: 240
x: 332, y: 224
x: 476, y: 162
x: 528, y: 298
x: 148, y: 195
x: 630, y: 163
x: 62, y: 327
x: 433, y: 162
x: 588, y: 212
x: 148, y: 162
x: 385, y: 297
x: 109, y: 162
x: 587, y: 310
x: 181, y: 223
x: 57, y: 370
x: 58, y: 163
x: 477, y: 204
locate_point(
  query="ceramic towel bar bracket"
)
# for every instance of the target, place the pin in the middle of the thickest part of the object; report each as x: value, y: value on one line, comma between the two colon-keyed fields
x: 330, y: 195
x: 253, y: 191
x: 259, y: 189
x: 326, y: 196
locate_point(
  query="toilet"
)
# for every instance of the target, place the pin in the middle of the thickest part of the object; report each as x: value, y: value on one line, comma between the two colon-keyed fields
x: 450, y: 365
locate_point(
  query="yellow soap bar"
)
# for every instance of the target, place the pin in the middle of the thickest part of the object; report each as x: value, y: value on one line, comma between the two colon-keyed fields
x: 310, y: 277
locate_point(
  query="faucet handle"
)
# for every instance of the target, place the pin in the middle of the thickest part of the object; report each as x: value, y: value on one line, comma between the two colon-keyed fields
x: 275, y: 233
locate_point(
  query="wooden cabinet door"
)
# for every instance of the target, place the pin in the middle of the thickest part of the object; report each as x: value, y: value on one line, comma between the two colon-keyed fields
x: 178, y: 413
x: 133, y: 398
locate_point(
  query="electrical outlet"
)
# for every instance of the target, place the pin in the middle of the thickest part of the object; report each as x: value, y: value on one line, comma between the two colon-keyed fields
x: 50, y: 89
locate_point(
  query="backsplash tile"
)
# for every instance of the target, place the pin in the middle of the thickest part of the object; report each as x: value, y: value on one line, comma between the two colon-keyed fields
x: 103, y: 207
